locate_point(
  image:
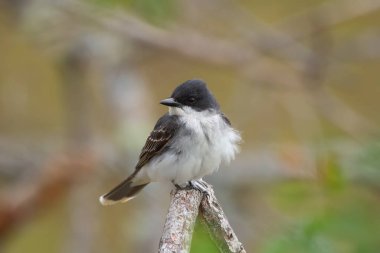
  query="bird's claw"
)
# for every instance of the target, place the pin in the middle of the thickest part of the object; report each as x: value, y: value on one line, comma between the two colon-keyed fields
x: 200, y: 185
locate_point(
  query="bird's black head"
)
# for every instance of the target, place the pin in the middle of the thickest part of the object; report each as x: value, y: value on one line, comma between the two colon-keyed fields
x: 192, y: 93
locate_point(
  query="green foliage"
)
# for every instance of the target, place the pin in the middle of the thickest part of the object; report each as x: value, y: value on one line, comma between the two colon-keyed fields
x: 324, y: 221
x: 154, y: 11
x: 369, y: 162
x: 43, y: 234
x: 332, y: 173
x: 201, y: 240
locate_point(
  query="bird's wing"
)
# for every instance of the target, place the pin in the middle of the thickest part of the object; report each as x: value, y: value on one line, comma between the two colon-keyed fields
x: 165, y: 129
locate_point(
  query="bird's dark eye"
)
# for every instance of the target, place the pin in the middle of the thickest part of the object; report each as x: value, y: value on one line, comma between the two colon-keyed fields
x: 191, y: 99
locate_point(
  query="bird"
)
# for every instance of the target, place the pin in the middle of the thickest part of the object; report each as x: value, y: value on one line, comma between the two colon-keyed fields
x: 187, y: 143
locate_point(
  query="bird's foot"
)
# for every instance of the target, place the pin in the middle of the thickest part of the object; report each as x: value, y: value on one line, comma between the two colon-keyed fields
x: 200, y: 185
x: 186, y: 186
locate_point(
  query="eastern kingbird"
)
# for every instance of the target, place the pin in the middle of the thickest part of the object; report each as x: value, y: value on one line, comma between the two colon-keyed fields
x: 186, y: 144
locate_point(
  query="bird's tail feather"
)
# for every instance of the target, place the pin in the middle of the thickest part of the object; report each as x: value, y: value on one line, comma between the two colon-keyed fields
x: 123, y: 192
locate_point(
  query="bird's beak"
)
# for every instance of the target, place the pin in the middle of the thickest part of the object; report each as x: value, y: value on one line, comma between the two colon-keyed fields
x: 170, y: 102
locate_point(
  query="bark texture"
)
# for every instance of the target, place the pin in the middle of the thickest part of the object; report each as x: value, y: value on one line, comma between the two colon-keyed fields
x: 180, y: 221
x: 181, y: 217
x: 219, y: 228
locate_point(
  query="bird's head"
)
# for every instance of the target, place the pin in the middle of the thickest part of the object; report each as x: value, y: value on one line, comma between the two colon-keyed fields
x: 192, y: 95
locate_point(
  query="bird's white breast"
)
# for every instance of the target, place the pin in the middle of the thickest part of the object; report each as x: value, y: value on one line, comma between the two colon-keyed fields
x: 204, y: 141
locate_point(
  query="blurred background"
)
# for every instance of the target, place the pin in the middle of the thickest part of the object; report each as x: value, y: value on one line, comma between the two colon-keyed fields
x: 80, y: 83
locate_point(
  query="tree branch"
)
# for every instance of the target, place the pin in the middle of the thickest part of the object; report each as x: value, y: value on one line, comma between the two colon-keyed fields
x: 19, y: 203
x: 180, y: 221
x: 205, y: 48
x: 348, y: 10
x: 181, y: 218
x: 219, y: 228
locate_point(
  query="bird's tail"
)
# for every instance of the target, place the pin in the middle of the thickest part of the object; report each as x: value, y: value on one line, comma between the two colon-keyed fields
x: 123, y: 192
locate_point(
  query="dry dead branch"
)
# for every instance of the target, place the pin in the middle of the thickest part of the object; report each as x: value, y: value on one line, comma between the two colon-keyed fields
x: 181, y: 218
